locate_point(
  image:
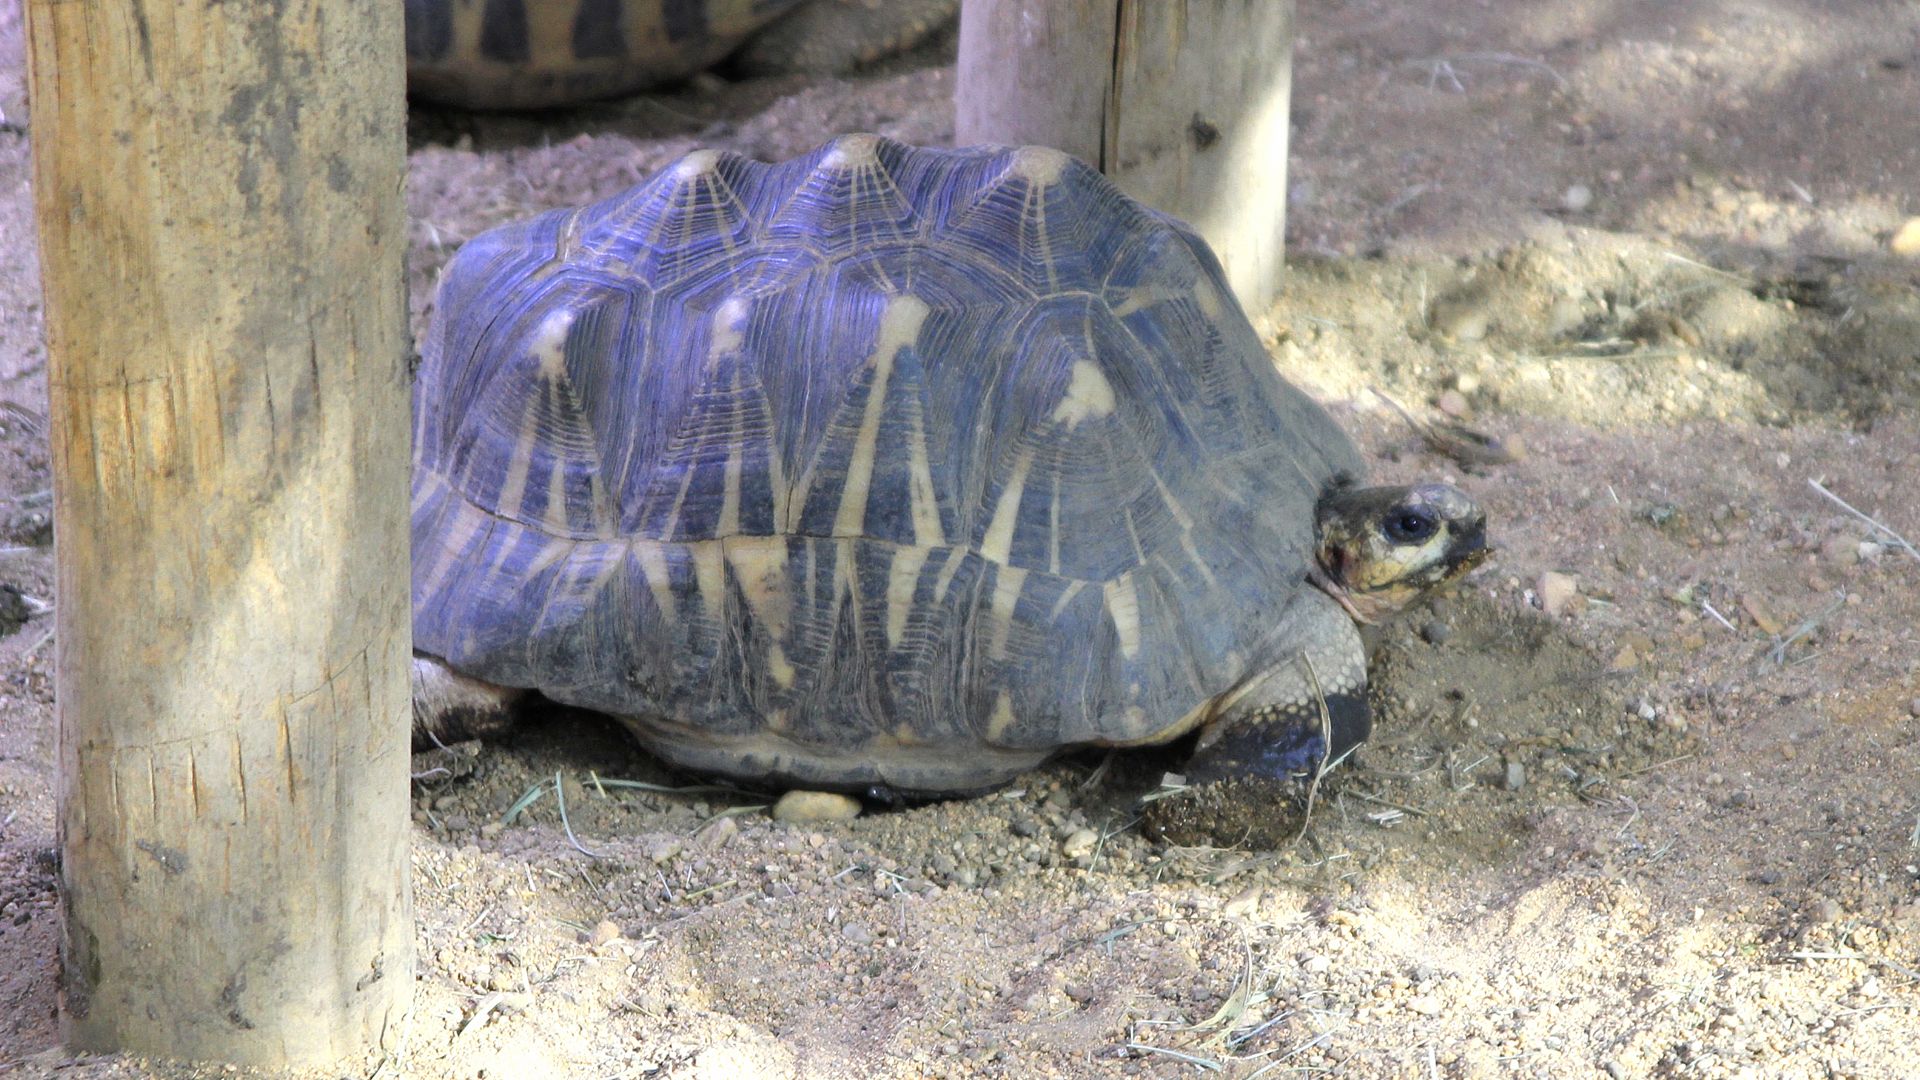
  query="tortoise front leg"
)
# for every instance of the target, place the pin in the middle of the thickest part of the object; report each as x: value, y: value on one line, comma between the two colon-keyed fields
x: 1305, y: 714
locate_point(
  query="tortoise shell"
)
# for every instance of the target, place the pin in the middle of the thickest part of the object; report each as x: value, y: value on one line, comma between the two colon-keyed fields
x: 524, y: 54
x: 882, y: 465
x: 520, y: 54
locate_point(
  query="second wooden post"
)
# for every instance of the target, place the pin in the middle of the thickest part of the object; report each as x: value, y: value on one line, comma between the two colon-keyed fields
x: 1184, y: 103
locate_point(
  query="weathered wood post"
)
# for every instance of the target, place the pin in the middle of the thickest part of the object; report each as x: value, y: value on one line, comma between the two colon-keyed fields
x: 218, y: 190
x: 1182, y: 102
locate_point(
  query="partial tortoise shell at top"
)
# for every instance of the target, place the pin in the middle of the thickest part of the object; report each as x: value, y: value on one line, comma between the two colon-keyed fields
x: 530, y: 54
x: 884, y: 465
x: 518, y: 54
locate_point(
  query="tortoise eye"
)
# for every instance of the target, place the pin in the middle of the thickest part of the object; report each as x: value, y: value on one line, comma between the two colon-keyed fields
x: 1410, y: 526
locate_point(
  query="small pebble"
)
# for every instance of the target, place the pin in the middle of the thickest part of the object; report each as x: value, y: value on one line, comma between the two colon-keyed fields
x: 1080, y: 843
x: 857, y: 933
x: 1906, y: 240
x: 1454, y: 404
x: 1840, y: 550
x: 1317, y: 965
x: 603, y: 931
x: 1464, y: 319
x: 816, y: 806
x: 661, y: 849
x: 1762, y: 614
x: 1556, y: 591
x: 1565, y: 316
x: 1913, y: 707
x: 717, y: 834
x: 1825, y: 910
x: 1516, y: 776
x: 1425, y: 1005
x: 1577, y: 198
x: 1436, y: 632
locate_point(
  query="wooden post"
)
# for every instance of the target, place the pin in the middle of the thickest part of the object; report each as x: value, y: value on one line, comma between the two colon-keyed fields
x: 221, y: 235
x: 1182, y: 102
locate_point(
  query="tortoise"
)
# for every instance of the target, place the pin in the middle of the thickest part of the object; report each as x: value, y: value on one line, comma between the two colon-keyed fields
x: 527, y: 54
x: 893, y: 470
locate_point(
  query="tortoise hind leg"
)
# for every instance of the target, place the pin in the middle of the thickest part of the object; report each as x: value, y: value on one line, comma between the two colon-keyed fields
x: 450, y: 707
x: 1304, y: 715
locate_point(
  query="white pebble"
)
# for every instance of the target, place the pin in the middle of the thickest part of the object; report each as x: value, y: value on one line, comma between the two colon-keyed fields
x: 1906, y: 240
x: 815, y: 806
x: 1080, y: 842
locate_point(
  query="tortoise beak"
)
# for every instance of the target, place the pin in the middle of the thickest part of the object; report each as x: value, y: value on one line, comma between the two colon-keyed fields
x: 1469, y: 549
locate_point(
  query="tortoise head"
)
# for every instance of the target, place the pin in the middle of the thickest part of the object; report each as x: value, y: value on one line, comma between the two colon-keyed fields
x: 1383, y: 548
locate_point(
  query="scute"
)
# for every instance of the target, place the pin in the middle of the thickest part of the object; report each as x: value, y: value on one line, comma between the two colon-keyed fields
x: 882, y: 463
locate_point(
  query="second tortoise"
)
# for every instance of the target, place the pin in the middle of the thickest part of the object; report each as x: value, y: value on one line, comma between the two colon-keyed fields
x: 530, y: 54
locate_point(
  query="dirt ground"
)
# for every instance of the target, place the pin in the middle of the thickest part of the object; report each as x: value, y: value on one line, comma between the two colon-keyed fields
x: 1645, y: 795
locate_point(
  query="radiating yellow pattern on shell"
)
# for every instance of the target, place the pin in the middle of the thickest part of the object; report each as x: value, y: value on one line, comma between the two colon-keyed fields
x: 925, y: 504
x: 1123, y: 607
x: 1008, y: 581
x: 997, y: 543
x: 549, y: 352
x: 899, y: 326
x: 902, y: 577
x: 760, y: 566
x: 726, y: 341
x: 1002, y: 719
x: 1089, y: 396
x: 652, y: 557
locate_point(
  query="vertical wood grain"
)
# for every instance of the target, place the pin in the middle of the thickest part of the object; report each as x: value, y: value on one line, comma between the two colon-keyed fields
x: 1183, y: 103
x: 218, y: 195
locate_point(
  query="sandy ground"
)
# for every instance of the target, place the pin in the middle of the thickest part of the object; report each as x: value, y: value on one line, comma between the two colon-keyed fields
x: 1645, y: 798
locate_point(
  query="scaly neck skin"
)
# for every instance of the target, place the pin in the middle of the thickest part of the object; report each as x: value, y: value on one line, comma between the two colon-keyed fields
x: 1366, y: 608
